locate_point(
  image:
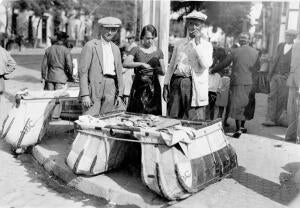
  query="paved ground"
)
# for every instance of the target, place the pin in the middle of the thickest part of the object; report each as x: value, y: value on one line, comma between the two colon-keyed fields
x: 23, y: 182
x: 268, y: 175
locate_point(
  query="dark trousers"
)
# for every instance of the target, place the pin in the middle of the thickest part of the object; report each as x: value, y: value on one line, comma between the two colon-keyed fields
x: 58, y: 106
x: 179, y: 104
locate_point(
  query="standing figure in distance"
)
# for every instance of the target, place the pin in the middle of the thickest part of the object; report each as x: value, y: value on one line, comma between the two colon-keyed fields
x: 57, y: 67
x: 278, y: 74
x: 244, y: 59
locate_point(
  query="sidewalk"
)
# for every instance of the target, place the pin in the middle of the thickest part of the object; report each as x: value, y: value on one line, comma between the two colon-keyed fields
x: 268, y: 175
x: 38, y: 51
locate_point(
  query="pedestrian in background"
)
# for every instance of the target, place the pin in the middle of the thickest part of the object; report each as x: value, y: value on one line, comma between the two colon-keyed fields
x: 128, y: 72
x: 243, y: 59
x: 278, y: 74
x: 293, y: 105
x: 57, y: 67
x: 147, y: 61
x: 7, y: 66
x: 186, y: 81
x: 100, y: 71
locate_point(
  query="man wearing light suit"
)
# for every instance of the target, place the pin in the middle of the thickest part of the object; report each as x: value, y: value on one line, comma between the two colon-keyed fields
x: 100, y: 71
x: 278, y: 74
x: 293, y: 82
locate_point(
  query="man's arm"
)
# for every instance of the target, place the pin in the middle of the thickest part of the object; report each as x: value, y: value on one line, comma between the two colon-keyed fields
x: 226, y: 62
x: 44, y: 68
x: 83, y: 69
x: 69, y: 64
x: 119, y: 69
x: 11, y: 64
x: 204, y: 58
x: 171, y: 67
x: 274, y: 60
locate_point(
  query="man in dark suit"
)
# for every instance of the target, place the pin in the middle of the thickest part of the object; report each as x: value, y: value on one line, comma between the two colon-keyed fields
x: 100, y: 71
x: 57, y: 67
x: 278, y: 74
x: 244, y: 59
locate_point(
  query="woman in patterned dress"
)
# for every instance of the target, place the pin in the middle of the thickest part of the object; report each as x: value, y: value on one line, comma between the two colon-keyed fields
x: 147, y: 61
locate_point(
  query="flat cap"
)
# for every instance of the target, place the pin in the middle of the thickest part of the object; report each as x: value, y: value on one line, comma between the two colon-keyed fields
x: 291, y: 32
x: 110, y: 22
x: 244, y: 36
x: 196, y: 15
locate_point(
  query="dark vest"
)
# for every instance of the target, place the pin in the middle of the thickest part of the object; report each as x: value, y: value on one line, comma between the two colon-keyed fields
x: 283, y: 63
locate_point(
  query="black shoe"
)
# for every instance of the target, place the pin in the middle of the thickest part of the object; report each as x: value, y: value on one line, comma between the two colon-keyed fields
x: 244, y: 130
x: 237, y: 134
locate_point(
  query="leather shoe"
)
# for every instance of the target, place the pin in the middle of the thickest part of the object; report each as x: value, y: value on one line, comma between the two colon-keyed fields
x: 237, y: 134
x: 243, y: 130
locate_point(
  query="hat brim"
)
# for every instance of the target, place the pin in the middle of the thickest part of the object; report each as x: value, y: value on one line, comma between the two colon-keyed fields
x: 115, y: 26
x: 195, y: 18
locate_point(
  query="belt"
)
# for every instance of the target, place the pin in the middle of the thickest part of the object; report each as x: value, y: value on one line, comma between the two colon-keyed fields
x: 110, y: 76
x: 181, y: 76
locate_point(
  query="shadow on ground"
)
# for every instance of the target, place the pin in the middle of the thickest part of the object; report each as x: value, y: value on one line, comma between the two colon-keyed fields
x: 283, y: 193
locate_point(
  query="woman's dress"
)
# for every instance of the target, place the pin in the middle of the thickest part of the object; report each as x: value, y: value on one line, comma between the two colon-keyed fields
x: 145, y: 95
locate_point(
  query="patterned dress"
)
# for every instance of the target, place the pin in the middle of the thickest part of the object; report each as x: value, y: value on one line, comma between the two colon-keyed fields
x: 145, y: 95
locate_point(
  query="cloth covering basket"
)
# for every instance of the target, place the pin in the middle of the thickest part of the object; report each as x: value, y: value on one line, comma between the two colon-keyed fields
x: 173, y: 169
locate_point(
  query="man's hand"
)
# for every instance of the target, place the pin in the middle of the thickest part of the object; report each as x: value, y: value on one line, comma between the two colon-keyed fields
x: 198, y: 35
x: 86, y: 101
x: 166, y: 93
x: 118, y: 101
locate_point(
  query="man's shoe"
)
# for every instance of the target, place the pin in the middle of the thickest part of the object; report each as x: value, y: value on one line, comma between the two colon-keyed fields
x: 268, y: 123
x: 243, y: 130
x: 237, y: 134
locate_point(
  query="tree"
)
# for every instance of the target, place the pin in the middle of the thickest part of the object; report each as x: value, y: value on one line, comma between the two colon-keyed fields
x: 230, y: 16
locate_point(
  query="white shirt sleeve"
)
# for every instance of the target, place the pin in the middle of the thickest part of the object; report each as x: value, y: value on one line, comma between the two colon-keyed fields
x: 204, y: 52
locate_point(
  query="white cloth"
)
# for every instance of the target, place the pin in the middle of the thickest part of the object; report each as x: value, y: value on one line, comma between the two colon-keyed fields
x: 214, y: 81
x: 108, y: 58
x: 189, y: 59
x: 287, y: 47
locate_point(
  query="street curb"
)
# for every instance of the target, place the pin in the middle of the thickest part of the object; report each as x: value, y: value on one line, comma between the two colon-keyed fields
x: 113, y: 196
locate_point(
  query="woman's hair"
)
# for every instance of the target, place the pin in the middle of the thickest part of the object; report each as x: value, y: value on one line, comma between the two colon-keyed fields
x: 148, y: 28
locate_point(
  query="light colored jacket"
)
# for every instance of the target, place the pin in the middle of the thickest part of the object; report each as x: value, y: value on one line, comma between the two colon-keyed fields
x: 203, y: 53
x: 294, y: 75
x: 90, y: 69
x: 7, y: 63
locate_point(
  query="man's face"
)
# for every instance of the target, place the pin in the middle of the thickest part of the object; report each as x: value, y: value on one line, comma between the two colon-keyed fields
x: 108, y: 32
x: 194, y: 25
x: 289, y: 38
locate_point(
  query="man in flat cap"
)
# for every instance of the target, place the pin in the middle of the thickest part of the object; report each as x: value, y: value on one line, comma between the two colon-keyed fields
x: 293, y: 105
x: 100, y: 71
x: 244, y: 59
x: 57, y: 67
x: 278, y: 74
x: 186, y: 81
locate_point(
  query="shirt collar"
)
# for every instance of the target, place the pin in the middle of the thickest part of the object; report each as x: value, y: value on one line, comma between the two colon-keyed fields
x: 104, y: 42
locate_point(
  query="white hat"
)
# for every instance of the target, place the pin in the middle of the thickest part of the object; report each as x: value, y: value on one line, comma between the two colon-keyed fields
x: 291, y: 32
x: 110, y: 22
x: 196, y: 15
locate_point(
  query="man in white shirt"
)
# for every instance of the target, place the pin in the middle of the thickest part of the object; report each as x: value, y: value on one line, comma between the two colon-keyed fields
x: 278, y: 74
x: 186, y: 81
x: 100, y: 71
